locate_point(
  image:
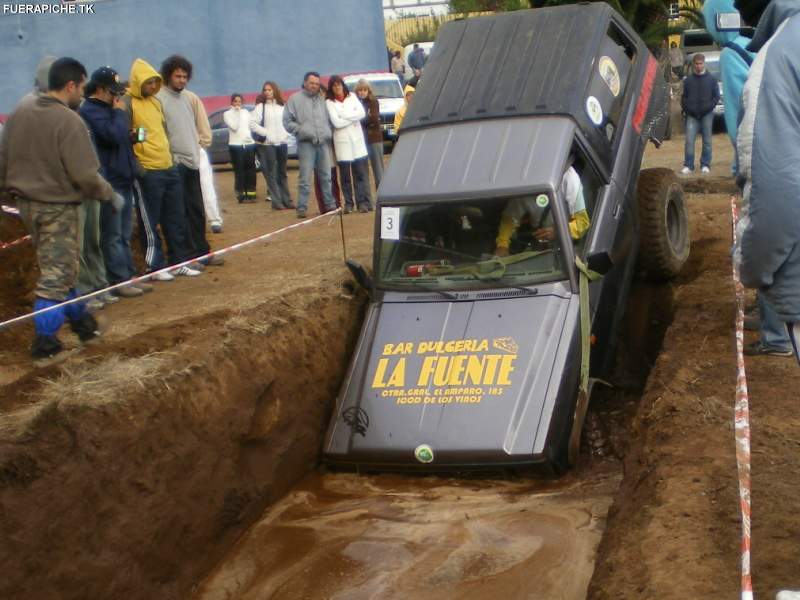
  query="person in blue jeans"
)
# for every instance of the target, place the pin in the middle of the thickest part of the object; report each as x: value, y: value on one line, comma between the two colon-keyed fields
x: 109, y: 126
x: 305, y: 116
x: 700, y: 96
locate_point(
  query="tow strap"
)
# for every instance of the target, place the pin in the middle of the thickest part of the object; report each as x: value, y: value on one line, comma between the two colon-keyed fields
x: 586, y: 276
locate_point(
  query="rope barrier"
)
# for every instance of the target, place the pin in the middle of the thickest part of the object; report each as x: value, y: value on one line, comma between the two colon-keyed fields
x: 4, y: 245
x: 151, y: 274
x: 742, y: 424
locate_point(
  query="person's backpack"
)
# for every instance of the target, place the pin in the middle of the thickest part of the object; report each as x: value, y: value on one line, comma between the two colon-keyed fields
x: 744, y: 54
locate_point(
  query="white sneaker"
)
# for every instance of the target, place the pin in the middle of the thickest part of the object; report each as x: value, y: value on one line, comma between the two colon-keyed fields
x: 705, y: 170
x: 187, y: 272
x: 686, y: 171
x: 108, y: 298
x: 163, y: 276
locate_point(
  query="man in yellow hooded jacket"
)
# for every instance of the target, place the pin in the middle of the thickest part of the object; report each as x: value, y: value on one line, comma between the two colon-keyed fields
x: 159, y: 179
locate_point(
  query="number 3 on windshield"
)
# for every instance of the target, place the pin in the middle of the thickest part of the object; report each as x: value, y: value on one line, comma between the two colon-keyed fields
x: 390, y: 223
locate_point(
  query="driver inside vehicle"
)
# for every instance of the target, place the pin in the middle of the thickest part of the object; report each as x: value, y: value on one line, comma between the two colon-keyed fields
x: 534, y: 211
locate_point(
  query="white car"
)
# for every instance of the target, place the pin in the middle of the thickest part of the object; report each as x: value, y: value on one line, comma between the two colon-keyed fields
x: 387, y: 89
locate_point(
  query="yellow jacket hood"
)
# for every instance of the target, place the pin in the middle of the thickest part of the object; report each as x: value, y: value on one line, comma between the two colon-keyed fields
x: 141, y: 71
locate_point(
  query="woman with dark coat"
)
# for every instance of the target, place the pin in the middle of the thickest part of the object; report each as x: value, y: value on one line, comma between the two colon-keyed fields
x: 372, y: 128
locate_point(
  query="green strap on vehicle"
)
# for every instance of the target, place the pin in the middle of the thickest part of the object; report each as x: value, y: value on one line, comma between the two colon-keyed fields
x: 493, y: 268
x: 586, y: 276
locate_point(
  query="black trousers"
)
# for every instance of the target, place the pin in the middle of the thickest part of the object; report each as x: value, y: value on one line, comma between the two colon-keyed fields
x: 244, y: 169
x: 195, y: 211
x: 358, y: 170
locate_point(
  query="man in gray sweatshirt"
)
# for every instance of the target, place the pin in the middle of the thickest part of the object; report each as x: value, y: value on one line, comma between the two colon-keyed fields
x: 306, y: 118
x: 185, y: 146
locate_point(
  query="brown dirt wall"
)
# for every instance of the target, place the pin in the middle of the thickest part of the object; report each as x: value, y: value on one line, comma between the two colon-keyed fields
x: 137, y: 494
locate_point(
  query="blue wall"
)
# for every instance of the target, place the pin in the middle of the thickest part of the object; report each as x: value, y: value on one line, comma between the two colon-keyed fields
x: 234, y: 45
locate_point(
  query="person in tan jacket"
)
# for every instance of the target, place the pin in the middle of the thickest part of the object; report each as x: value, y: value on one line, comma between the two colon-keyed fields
x: 210, y: 201
x: 47, y: 167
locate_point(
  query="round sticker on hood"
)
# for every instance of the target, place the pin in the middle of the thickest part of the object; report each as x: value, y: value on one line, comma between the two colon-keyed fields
x: 542, y: 200
x: 594, y: 110
x: 610, y: 74
x: 424, y: 453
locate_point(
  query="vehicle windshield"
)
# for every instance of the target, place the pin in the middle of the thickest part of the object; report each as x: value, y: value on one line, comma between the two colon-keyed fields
x: 383, y: 88
x: 495, y: 242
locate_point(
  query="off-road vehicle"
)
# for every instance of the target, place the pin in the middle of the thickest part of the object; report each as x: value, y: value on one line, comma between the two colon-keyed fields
x: 516, y: 167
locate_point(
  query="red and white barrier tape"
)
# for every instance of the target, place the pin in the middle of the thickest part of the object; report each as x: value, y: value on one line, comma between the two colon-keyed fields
x: 4, y: 245
x: 185, y: 263
x: 742, y: 424
x: 10, y: 210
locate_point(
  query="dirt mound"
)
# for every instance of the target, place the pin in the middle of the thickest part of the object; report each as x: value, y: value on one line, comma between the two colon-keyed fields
x: 128, y: 478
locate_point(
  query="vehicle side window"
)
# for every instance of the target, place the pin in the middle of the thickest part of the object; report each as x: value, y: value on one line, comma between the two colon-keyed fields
x: 613, y: 66
x: 590, y: 184
x: 216, y: 121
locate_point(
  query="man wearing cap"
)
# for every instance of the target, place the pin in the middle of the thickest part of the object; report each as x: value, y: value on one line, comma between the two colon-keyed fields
x: 768, y: 147
x: 159, y: 179
x: 48, y: 166
x: 109, y: 126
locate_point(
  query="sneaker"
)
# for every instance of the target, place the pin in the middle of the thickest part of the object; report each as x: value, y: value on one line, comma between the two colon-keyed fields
x: 45, y: 346
x: 145, y: 287
x: 705, y: 170
x: 290, y: 206
x: 163, y: 276
x: 108, y: 298
x: 301, y: 214
x: 363, y: 209
x: 200, y: 265
x: 759, y: 349
x: 215, y: 261
x: 186, y: 272
x: 129, y: 291
x: 347, y: 210
x: 94, y: 304
x: 686, y: 171
x: 216, y: 228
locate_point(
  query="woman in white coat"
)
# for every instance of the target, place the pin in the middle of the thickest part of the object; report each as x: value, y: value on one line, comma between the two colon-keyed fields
x: 242, y: 149
x: 266, y: 126
x: 346, y: 111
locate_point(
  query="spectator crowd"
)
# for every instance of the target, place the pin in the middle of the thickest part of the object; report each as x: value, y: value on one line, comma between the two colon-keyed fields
x: 83, y: 156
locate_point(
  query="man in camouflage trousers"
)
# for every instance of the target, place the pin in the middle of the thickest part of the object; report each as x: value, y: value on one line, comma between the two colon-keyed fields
x: 48, y: 166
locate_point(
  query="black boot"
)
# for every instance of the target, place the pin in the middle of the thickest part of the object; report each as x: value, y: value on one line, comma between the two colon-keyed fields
x: 86, y: 327
x: 45, y: 346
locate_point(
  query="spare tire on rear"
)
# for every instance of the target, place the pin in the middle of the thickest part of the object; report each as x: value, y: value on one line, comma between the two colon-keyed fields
x: 664, y: 239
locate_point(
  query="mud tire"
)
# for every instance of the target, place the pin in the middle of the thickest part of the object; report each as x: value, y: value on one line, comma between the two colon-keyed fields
x: 664, y: 239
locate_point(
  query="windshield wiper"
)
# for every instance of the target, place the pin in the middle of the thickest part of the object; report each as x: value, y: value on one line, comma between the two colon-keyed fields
x: 428, y: 288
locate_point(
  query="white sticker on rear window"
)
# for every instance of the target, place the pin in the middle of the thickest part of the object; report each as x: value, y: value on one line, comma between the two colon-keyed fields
x: 594, y: 110
x: 390, y: 223
x: 610, y: 74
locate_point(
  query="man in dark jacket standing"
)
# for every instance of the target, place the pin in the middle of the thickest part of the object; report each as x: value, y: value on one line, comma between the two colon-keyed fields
x: 700, y: 96
x: 110, y: 128
x: 48, y: 166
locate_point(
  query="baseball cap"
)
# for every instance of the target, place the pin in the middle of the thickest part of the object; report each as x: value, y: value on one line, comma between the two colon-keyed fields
x: 105, y: 77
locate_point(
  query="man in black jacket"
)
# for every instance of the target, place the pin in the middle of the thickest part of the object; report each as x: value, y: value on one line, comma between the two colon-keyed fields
x: 700, y: 96
x: 110, y: 128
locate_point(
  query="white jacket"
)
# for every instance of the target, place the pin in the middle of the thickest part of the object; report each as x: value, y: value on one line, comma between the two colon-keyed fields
x: 238, y: 122
x: 348, y: 136
x: 273, y: 123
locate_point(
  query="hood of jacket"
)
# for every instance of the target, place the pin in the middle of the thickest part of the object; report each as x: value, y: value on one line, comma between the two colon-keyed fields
x: 141, y: 71
x: 776, y: 13
x: 711, y: 8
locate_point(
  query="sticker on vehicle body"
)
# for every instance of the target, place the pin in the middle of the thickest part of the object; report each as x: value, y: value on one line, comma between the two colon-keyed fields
x: 542, y: 200
x: 390, y: 223
x: 594, y: 110
x: 424, y: 453
x: 610, y: 74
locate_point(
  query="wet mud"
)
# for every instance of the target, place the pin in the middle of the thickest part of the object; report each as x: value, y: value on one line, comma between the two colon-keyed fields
x: 348, y: 536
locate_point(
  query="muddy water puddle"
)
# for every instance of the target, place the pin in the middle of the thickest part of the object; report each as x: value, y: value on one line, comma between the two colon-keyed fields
x: 347, y: 536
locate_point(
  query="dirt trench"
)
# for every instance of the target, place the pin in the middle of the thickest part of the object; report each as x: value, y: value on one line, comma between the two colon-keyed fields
x: 138, y: 494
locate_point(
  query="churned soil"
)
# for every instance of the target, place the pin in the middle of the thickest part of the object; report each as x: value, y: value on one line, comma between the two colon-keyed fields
x: 143, y: 465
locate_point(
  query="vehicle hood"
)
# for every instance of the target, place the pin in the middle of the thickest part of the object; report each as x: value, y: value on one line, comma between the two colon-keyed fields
x: 474, y: 380
x: 390, y: 105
